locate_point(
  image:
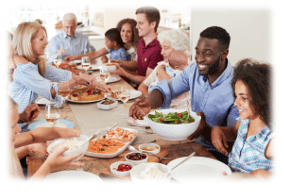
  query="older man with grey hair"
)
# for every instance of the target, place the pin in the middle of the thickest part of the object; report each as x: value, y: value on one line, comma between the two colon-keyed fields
x: 69, y: 42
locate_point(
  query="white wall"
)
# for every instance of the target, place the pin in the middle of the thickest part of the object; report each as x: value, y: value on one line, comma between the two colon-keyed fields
x: 250, y: 31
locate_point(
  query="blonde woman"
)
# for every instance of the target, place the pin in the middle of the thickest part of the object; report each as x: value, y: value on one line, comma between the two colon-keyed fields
x: 32, y: 76
x: 20, y: 141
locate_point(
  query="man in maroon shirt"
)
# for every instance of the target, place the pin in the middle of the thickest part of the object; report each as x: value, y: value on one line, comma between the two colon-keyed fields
x: 149, y: 49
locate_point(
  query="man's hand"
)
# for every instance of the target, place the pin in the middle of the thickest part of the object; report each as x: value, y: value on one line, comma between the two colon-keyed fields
x: 144, y: 104
x: 31, y: 112
x: 219, y: 140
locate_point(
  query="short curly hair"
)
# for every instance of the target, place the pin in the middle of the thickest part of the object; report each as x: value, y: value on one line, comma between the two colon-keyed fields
x: 133, y: 23
x: 219, y: 33
x: 256, y: 77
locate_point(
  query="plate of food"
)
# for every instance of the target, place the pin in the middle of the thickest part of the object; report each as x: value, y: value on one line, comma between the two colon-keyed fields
x: 92, y: 67
x: 133, y: 94
x: 112, y: 79
x: 113, y: 143
x: 86, y: 95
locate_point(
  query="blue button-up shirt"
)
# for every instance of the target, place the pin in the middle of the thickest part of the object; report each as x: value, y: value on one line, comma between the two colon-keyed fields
x: 76, y: 45
x: 216, y: 101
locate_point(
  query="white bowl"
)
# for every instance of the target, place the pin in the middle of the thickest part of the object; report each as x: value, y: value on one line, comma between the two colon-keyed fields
x: 174, y: 132
x: 110, y: 66
x: 151, y: 145
x: 115, y: 166
x: 107, y: 107
x: 136, y: 170
x: 136, y: 162
x: 83, y: 148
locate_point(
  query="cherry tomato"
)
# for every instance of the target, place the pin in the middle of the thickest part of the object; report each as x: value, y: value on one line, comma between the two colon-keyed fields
x: 177, y: 122
x: 161, y: 119
x: 179, y: 114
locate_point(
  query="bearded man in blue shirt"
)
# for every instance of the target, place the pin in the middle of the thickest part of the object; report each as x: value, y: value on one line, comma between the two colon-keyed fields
x: 69, y: 42
x: 209, y: 81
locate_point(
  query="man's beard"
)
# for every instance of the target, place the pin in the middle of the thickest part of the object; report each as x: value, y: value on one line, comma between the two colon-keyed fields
x: 212, y: 68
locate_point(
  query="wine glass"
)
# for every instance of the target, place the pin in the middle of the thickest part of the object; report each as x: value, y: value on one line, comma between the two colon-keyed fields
x: 52, y: 113
x: 57, y: 60
x: 104, y: 74
x: 86, y: 63
x: 64, y: 90
x: 124, y: 94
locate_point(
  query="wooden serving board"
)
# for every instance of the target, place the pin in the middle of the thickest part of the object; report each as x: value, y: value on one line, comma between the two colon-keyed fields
x: 151, y: 158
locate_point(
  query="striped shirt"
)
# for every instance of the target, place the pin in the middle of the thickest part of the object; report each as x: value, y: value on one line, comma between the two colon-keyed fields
x: 249, y: 154
x: 28, y: 84
x: 76, y: 45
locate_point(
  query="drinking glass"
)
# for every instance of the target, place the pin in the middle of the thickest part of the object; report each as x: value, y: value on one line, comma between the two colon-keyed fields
x: 104, y: 74
x: 124, y: 94
x: 57, y: 60
x: 52, y: 113
x: 86, y: 63
x: 64, y: 90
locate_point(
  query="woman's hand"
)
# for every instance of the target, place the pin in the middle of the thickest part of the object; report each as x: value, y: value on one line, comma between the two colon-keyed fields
x: 144, y: 104
x: 31, y: 112
x: 104, y: 87
x: 219, y: 140
x: 60, y: 51
x: 56, y: 159
x: 119, y: 62
x: 161, y: 67
x: 200, y: 128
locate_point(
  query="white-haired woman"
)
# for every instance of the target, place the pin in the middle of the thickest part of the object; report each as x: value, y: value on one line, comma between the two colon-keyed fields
x: 32, y: 76
x: 170, y: 40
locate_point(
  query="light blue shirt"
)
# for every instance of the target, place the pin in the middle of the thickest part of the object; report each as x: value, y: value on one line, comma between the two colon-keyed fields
x: 119, y: 54
x: 216, y: 101
x: 76, y: 45
x: 28, y: 84
x: 248, y: 154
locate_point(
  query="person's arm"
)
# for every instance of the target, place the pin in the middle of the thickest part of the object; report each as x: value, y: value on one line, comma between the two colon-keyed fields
x: 269, y: 149
x: 143, y: 88
x: 39, y: 148
x: 31, y: 112
x: 92, y: 55
x: 42, y: 134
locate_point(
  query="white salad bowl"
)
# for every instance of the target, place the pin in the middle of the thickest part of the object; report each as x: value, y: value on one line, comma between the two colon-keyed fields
x: 174, y: 132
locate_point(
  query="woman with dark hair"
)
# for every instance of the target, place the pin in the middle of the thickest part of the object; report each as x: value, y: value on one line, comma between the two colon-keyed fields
x: 252, y: 133
x: 129, y: 36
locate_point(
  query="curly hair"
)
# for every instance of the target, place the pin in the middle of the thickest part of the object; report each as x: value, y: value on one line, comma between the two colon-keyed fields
x: 216, y: 32
x: 256, y: 77
x: 133, y: 23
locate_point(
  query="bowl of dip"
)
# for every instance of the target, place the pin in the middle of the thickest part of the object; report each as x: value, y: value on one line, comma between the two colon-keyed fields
x: 72, y: 143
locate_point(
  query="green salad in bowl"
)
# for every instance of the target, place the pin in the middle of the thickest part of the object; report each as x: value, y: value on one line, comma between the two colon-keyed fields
x: 172, y: 117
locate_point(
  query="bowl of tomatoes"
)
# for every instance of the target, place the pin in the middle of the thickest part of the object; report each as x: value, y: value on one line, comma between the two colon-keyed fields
x: 121, y: 168
x: 173, y: 124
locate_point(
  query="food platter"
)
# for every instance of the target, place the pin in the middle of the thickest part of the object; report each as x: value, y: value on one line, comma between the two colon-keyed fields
x: 92, y: 67
x: 120, y: 150
x: 86, y: 95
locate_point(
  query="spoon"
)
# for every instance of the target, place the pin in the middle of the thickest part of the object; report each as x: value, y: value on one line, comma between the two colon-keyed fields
x: 132, y: 149
x: 192, y: 154
x: 96, y: 135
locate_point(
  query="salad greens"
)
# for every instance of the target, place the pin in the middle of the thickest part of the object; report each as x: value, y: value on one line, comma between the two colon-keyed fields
x: 171, y: 118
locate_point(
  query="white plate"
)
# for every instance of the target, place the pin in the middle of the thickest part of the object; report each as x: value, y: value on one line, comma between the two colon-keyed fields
x: 198, y: 168
x: 83, y: 102
x: 140, y: 123
x: 112, y: 79
x: 133, y: 94
x: 74, y: 175
x: 92, y: 67
x: 120, y: 150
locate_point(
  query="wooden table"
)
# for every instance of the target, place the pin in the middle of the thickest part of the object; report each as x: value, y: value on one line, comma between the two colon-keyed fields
x: 176, y: 149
